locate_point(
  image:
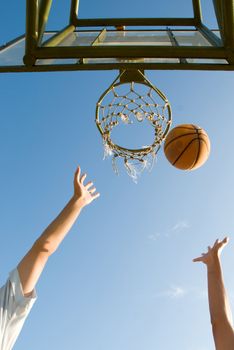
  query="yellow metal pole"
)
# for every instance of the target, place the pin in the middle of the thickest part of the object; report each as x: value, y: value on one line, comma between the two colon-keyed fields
x: 44, y: 11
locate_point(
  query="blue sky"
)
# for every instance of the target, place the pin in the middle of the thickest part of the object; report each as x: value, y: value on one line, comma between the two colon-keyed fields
x: 124, y: 277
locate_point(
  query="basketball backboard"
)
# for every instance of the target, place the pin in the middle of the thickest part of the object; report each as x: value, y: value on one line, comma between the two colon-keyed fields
x: 122, y: 43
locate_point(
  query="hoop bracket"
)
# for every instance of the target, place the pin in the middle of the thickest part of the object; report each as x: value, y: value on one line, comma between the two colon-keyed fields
x: 130, y: 75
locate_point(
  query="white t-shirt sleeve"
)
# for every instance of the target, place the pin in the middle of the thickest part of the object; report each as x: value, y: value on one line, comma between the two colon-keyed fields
x: 14, y: 308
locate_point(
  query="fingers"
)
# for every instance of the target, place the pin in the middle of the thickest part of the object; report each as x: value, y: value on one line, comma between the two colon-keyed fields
x: 221, y: 243
x: 92, y: 190
x: 88, y: 185
x: 83, y: 177
x: 198, y: 259
x: 77, y: 174
x: 79, y: 178
x: 225, y: 240
x: 216, y: 243
x: 93, y: 194
x: 96, y: 195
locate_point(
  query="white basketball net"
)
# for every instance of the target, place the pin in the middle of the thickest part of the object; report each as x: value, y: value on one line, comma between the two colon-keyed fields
x: 137, y: 102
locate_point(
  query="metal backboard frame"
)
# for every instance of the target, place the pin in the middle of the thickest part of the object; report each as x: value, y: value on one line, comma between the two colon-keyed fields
x: 122, y: 43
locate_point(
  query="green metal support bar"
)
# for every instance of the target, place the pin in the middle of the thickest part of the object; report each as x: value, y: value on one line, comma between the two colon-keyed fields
x: 228, y: 19
x: 104, y: 66
x: 174, y: 42
x: 197, y: 11
x: 11, y: 42
x: 225, y: 16
x: 100, y: 38
x: 213, y: 39
x: 31, y: 39
x: 59, y: 37
x: 44, y: 11
x: 74, y: 11
x: 130, y: 52
x: 114, y: 22
x: 219, y: 16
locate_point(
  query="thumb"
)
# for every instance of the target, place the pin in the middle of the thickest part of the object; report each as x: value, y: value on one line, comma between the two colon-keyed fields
x: 199, y: 259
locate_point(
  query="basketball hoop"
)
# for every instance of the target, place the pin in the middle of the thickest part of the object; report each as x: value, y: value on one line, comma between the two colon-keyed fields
x: 140, y: 102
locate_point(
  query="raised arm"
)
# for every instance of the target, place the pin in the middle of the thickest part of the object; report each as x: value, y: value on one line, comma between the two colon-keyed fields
x: 33, y: 263
x: 220, y: 311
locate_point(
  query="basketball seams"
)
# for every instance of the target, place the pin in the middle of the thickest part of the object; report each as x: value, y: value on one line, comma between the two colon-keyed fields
x: 196, y: 131
x: 203, y: 134
x: 185, y: 149
x: 193, y: 127
x: 176, y: 138
x: 198, y: 152
x: 207, y: 146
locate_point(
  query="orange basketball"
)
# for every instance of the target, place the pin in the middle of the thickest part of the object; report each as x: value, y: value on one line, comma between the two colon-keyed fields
x: 187, y: 147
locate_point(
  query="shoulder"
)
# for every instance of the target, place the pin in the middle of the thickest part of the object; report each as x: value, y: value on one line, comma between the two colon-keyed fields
x: 11, y: 293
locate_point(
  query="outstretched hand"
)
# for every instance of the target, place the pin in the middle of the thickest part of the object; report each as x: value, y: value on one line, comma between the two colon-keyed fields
x: 85, y: 194
x: 213, y: 252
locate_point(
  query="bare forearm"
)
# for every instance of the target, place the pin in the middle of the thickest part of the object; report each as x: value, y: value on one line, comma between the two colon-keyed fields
x: 218, y: 300
x: 58, y: 229
x: 32, y: 265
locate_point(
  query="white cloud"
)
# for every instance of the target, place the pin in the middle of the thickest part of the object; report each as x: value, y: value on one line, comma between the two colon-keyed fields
x: 173, y: 292
x: 176, y: 292
x: 180, y: 225
x: 154, y: 237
